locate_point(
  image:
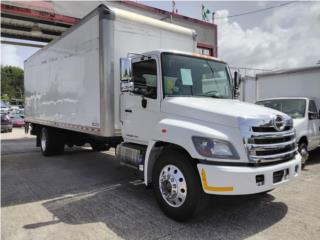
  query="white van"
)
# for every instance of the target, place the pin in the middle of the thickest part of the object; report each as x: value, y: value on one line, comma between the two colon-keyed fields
x: 306, y: 120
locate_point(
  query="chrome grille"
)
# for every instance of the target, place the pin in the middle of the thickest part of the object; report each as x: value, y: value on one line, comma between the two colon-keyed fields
x: 264, y: 143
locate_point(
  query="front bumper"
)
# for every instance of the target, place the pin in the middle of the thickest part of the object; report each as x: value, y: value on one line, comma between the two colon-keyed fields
x: 235, y: 180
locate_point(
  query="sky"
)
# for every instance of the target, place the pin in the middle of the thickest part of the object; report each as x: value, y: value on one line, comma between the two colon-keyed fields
x: 283, y: 37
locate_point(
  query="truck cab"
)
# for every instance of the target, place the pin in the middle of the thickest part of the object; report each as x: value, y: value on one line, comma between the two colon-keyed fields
x: 185, y: 132
x: 305, y: 113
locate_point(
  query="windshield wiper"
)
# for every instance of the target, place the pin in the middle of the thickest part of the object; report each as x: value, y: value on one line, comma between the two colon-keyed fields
x: 207, y: 95
x: 212, y: 94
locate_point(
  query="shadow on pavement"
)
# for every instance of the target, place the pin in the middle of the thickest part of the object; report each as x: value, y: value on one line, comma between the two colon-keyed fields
x: 131, y: 213
x: 314, y: 157
x: 29, y: 177
x: 84, y: 187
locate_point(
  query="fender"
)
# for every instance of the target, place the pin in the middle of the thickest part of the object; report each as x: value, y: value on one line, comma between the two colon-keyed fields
x: 301, y: 127
x: 177, y: 132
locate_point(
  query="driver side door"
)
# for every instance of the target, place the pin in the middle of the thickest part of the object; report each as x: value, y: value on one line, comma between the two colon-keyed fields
x: 140, y: 108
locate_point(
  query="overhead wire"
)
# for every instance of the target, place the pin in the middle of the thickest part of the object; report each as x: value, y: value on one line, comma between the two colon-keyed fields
x: 256, y: 11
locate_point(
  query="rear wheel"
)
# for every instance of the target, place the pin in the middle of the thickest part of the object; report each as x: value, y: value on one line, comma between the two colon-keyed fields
x: 99, y: 146
x: 303, y: 150
x: 177, y: 186
x: 51, y: 142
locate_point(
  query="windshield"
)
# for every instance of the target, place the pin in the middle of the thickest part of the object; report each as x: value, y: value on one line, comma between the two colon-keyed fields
x: 192, y: 76
x: 295, y: 108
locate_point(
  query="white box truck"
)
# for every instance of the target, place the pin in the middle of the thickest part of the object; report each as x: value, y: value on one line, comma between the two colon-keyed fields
x: 169, y: 113
x: 295, y: 92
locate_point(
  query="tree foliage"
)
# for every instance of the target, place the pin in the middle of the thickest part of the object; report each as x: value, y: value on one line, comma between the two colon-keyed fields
x: 12, y: 83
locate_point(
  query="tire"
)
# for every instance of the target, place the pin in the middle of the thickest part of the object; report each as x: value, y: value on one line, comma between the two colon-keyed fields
x: 303, y: 150
x: 51, y: 142
x: 263, y: 193
x: 99, y: 147
x: 188, y: 202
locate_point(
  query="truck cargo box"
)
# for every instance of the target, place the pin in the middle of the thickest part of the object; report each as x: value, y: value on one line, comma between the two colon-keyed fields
x: 73, y: 82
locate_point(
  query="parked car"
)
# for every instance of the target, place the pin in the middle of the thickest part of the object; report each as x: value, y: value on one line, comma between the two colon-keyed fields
x: 14, y: 109
x: 6, y: 123
x: 306, y: 120
x: 17, y: 120
x: 4, y: 108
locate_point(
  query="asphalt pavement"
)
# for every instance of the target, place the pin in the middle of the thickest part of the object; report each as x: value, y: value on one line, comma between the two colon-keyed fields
x: 88, y: 195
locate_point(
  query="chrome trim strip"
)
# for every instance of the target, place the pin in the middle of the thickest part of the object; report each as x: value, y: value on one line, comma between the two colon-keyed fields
x: 272, y: 134
x: 274, y: 157
x: 261, y: 147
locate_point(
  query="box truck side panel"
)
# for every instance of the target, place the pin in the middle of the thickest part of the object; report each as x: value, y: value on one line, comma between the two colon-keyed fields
x: 296, y: 84
x: 140, y: 34
x: 62, y: 81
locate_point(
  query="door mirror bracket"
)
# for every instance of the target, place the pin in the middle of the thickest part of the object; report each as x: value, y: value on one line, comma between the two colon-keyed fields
x: 144, y: 102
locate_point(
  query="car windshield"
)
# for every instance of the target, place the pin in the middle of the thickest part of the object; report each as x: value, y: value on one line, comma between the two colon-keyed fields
x: 193, y: 76
x: 295, y: 108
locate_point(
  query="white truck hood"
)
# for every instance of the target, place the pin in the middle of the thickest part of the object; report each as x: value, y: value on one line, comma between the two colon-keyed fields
x: 219, y: 111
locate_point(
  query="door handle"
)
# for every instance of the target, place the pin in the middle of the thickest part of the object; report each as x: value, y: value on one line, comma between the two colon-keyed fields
x: 128, y: 110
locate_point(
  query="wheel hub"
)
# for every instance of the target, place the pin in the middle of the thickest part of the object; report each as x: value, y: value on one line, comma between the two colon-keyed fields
x: 168, y: 187
x: 173, y: 185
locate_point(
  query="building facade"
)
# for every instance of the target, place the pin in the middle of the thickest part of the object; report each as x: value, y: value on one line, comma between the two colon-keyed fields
x: 45, y: 20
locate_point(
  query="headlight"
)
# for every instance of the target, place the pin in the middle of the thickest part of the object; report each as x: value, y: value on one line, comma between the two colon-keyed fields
x: 214, y: 148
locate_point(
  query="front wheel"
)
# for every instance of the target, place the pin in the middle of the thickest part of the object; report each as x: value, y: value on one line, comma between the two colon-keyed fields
x: 303, y: 150
x: 177, y: 186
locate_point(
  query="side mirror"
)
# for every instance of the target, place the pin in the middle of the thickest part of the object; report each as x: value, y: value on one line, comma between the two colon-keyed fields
x: 313, y: 115
x: 236, y: 81
x: 125, y: 69
x: 126, y: 75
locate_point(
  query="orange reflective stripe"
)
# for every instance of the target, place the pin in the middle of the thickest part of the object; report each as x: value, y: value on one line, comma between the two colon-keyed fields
x: 212, y: 188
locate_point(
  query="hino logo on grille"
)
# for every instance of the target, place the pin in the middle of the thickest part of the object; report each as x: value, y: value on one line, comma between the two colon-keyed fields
x: 279, y: 123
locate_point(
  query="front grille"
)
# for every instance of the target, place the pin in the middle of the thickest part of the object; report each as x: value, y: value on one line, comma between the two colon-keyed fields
x: 268, y: 129
x: 281, y: 139
x: 272, y: 145
x: 275, y: 151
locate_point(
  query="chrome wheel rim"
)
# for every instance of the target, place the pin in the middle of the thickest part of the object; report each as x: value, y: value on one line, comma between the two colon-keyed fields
x: 173, y: 186
x: 43, y: 140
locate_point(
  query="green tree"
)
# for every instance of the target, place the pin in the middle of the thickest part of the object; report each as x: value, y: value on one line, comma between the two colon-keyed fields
x: 12, y: 83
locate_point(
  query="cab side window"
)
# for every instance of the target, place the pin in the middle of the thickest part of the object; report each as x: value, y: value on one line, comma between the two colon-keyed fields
x: 312, y: 106
x: 145, y: 78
